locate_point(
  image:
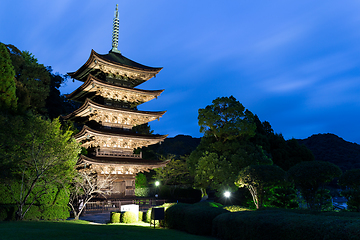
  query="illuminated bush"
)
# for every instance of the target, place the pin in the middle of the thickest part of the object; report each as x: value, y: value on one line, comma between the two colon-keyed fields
x: 128, y: 217
x: 115, y: 217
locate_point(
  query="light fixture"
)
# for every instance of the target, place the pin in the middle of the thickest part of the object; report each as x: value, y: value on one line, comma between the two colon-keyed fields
x: 227, y: 194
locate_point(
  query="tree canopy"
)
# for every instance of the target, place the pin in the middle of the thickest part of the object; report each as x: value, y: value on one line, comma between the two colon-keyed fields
x: 225, y: 148
x: 310, y: 177
x: 8, y: 99
x: 35, y: 155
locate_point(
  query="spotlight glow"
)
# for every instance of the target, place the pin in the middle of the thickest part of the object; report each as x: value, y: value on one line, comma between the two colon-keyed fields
x: 227, y: 194
x: 157, y: 183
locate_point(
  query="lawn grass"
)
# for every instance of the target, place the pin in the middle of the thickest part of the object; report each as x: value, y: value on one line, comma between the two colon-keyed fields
x: 83, y: 230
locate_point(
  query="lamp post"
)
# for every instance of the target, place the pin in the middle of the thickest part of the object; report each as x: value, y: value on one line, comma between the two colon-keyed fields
x: 157, y: 184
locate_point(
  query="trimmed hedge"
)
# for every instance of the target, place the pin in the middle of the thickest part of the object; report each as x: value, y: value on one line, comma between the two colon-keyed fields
x: 283, y: 225
x: 193, y: 218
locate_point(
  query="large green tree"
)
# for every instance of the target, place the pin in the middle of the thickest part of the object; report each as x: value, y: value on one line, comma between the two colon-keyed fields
x: 225, y: 148
x: 310, y: 178
x: 35, y: 155
x: 8, y: 99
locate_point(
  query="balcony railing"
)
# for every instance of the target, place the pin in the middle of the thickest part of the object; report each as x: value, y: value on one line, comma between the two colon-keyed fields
x: 113, y: 153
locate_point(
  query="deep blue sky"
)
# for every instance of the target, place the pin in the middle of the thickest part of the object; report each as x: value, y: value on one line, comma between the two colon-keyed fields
x: 295, y: 64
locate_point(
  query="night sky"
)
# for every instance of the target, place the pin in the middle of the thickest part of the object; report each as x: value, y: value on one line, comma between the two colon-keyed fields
x: 296, y: 64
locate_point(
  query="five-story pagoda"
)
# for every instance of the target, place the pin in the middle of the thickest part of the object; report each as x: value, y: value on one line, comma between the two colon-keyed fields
x: 109, y: 112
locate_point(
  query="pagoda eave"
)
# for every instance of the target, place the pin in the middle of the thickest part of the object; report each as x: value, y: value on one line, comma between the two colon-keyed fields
x: 122, y: 161
x: 113, y: 115
x: 93, y: 86
x: 110, y: 63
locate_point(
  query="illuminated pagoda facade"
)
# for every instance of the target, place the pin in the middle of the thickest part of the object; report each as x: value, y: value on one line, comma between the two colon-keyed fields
x: 109, y: 112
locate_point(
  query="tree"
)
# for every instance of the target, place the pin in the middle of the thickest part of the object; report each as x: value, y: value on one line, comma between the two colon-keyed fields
x: 284, y: 153
x: 350, y: 182
x: 176, y: 172
x: 310, y: 178
x: 225, y: 148
x: 35, y: 155
x: 86, y: 185
x: 258, y: 179
x: 8, y: 98
x: 226, y: 119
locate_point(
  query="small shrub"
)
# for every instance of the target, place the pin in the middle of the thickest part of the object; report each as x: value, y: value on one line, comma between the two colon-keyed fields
x: 235, y: 208
x: 128, y: 217
x: 115, y: 217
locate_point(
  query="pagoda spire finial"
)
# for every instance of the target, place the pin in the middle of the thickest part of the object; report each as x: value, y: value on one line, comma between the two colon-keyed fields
x: 115, y: 33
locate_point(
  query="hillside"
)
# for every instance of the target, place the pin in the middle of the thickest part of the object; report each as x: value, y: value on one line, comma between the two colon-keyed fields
x: 331, y: 148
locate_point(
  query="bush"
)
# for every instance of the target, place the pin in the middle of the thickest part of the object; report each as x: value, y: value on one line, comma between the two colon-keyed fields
x: 235, y: 208
x: 114, y: 217
x: 128, y: 217
x: 142, y: 192
x: 280, y: 224
x: 193, y: 218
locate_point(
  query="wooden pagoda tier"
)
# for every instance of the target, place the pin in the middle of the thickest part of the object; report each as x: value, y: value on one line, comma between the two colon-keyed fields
x: 117, y: 166
x: 108, y: 142
x: 94, y: 87
x: 110, y: 116
x: 115, y: 67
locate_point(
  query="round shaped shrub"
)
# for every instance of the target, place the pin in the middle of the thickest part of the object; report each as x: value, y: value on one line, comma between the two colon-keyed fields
x: 115, y: 217
x: 128, y: 217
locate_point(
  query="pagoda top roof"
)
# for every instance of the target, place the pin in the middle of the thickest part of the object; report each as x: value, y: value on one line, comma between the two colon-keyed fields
x: 111, y: 133
x: 117, y: 61
x: 88, y: 103
x: 122, y: 161
x: 80, y: 93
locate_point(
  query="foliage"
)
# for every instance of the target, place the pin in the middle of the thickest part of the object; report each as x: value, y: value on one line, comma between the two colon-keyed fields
x: 176, y: 172
x: 51, y: 206
x: 310, y: 177
x: 192, y: 218
x: 226, y: 119
x: 258, y: 179
x: 142, y: 192
x: 282, y: 196
x: 8, y: 98
x: 37, y: 88
x: 284, y: 225
x: 225, y: 148
x: 140, y: 181
x: 86, y: 185
x: 35, y: 154
x: 128, y: 217
x: 284, y: 154
x: 115, y: 217
x: 350, y: 182
x: 235, y: 208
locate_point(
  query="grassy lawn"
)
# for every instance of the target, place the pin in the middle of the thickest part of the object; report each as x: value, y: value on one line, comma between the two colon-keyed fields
x: 83, y: 230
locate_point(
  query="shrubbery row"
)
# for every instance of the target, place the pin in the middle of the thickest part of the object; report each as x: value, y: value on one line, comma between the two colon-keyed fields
x: 280, y: 224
